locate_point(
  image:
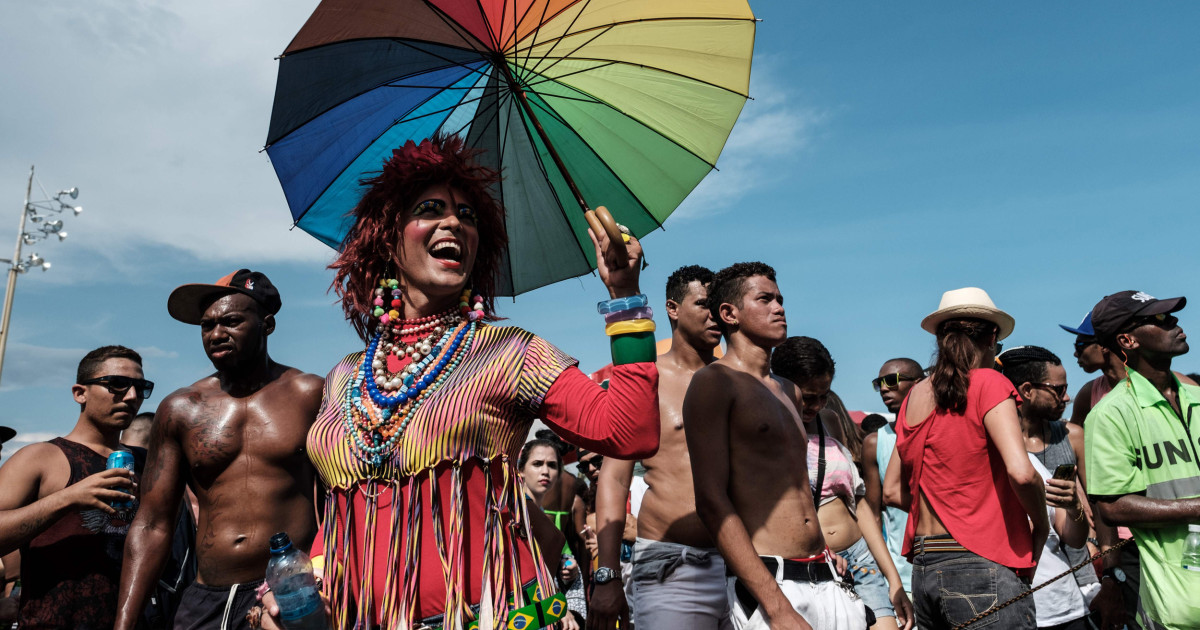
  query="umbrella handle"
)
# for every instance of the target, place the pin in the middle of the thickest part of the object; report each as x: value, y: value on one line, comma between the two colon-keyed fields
x: 601, y: 219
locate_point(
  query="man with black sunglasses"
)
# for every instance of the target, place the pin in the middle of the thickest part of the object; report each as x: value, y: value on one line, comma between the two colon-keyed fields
x: 237, y: 439
x: 896, y: 377
x: 65, y: 512
x: 1141, y: 443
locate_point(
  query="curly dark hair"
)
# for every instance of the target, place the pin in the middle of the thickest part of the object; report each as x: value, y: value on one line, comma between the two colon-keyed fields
x: 801, y: 359
x: 729, y: 286
x: 379, y: 218
x: 1026, y: 364
x: 677, y: 284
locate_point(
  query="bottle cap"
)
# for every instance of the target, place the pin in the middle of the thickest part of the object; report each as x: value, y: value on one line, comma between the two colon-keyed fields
x: 1194, y: 527
x: 280, y: 542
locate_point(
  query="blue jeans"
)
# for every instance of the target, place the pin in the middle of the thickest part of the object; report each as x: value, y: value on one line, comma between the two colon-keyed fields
x: 950, y: 587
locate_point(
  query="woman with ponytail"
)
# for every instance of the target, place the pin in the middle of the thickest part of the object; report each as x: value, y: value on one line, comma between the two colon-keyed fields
x: 961, y: 472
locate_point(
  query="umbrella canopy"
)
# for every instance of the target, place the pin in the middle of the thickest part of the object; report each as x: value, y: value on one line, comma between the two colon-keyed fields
x: 625, y: 103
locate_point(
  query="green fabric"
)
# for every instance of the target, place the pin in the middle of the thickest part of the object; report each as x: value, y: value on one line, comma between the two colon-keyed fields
x: 633, y: 348
x: 1135, y: 443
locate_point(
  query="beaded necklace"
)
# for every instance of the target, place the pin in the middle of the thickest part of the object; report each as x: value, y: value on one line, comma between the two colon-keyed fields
x: 383, y: 397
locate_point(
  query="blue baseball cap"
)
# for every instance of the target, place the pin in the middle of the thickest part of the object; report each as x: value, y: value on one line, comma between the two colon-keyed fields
x: 1084, y: 328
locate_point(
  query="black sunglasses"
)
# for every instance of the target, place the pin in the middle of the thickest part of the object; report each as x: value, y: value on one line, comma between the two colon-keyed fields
x: 891, y: 381
x: 121, y: 384
x: 1059, y: 390
x: 1162, y: 320
x: 1083, y: 342
x: 591, y: 462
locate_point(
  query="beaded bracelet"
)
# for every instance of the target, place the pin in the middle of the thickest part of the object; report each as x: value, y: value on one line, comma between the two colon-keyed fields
x: 623, y: 304
x: 644, y: 312
x: 633, y: 348
x: 631, y: 326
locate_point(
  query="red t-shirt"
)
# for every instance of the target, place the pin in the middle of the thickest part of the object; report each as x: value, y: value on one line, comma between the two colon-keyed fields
x: 950, y: 459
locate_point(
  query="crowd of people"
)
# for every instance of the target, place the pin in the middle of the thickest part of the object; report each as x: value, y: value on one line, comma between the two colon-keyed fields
x: 730, y: 492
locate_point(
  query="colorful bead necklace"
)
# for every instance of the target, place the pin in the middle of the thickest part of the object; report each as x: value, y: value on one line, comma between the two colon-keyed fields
x: 393, y: 393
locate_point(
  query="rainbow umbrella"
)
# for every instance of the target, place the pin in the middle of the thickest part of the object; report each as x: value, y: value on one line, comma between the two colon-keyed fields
x: 625, y: 103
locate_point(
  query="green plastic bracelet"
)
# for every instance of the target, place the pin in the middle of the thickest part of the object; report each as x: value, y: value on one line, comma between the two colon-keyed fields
x: 633, y: 348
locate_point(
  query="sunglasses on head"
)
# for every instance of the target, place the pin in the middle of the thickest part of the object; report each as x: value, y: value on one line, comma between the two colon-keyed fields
x: 1059, y: 390
x: 121, y: 384
x: 591, y: 462
x: 891, y: 381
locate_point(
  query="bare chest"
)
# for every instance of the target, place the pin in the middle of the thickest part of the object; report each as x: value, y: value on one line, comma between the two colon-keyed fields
x: 217, y: 435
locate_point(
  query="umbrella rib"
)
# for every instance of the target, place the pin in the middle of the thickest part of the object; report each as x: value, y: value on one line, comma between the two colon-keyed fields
x: 568, y: 33
x: 449, y: 63
x: 541, y: 21
x: 529, y: 52
x: 601, y: 160
x: 486, y: 22
x: 555, y: 45
x: 368, y: 146
x: 454, y: 26
x: 609, y: 62
x: 559, y: 205
x: 599, y: 101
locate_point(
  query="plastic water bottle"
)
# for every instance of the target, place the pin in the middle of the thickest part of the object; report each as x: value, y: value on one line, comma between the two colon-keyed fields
x: 1191, y: 548
x: 290, y: 576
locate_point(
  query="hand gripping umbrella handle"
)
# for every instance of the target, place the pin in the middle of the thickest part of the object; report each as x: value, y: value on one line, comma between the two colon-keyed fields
x: 601, y: 219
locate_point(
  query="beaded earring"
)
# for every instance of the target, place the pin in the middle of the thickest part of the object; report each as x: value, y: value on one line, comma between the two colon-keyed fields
x: 472, y: 309
x: 388, y: 300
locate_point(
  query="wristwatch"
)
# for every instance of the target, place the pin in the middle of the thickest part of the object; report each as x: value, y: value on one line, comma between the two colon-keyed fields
x: 604, y: 575
x: 1115, y: 573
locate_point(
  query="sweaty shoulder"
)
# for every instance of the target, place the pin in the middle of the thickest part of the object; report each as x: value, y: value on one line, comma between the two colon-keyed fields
x: 303, y: 383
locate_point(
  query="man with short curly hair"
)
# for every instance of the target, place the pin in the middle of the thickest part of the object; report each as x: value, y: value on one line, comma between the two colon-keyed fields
x: 744, y: 437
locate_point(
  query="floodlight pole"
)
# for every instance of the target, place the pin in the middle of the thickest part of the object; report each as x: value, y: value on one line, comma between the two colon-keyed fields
x: 13, y: 270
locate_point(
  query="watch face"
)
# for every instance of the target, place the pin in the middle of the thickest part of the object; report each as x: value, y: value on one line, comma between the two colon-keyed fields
x: 603, y: 575
x: 1119, y: 574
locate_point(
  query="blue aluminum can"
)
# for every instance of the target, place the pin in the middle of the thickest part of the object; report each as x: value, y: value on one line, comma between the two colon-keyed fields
x: 120, y: 459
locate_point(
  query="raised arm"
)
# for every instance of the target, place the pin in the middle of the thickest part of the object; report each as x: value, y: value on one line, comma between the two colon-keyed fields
x: 149, y: 540
x: 707, y: 408
x: 23, y: 515
x: 608, y: 603
x: 621, y: 422
x: 1004, y: 429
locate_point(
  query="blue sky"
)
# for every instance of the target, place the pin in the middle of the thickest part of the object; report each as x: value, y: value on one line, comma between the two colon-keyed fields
x: 1047, y: 152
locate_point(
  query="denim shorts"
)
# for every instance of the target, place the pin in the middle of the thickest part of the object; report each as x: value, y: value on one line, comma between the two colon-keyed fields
x: 950, y: 587
x: 869, y: 582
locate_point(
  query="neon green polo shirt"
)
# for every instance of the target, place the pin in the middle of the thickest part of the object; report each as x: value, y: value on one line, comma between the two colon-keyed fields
x: 1136, y: 444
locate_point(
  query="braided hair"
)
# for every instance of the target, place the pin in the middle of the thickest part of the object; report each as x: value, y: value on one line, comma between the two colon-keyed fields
x: 1026, y: 364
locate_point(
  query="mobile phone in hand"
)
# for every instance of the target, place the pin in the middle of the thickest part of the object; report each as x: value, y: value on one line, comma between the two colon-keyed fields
x: 1065, y: 471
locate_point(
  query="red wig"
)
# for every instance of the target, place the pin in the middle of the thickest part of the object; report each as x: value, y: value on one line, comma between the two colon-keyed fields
x: 369, y: 247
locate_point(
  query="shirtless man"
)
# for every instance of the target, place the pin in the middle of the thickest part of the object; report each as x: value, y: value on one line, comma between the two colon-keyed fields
x: 692, y: 594
x: 744, y: 437
x: 236, y: 438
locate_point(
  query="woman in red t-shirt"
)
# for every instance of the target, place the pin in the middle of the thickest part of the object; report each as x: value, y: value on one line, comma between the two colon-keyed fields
x: 961, y: 471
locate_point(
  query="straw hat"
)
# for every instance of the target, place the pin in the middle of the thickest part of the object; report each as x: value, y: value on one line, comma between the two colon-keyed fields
x: 969, y: 302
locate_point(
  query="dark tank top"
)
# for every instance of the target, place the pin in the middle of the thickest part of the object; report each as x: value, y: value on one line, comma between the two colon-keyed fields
x: 70, y: 573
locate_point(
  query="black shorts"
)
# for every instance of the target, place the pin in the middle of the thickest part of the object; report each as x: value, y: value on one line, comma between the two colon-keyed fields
x: 204, y: 607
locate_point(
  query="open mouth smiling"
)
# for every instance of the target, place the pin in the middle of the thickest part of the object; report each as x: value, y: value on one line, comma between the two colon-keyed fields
x: 447, y: 251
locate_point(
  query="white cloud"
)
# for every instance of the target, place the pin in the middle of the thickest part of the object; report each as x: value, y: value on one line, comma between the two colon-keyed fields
x: 157, y: 112
x: 29, y: 365
x: 774, y: 125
